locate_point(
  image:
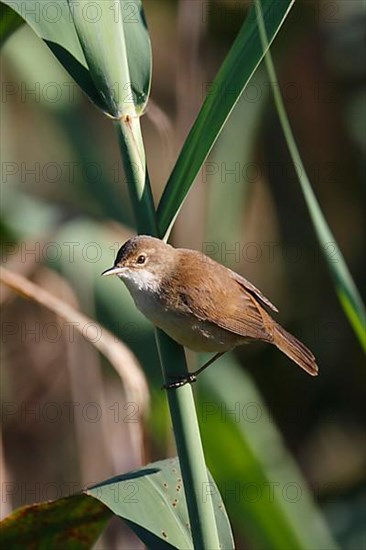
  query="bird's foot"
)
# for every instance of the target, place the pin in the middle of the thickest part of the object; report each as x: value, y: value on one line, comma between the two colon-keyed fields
x: 179, y: 382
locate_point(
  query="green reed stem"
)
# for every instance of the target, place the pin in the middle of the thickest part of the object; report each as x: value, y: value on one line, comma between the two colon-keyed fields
x: 181, y: 402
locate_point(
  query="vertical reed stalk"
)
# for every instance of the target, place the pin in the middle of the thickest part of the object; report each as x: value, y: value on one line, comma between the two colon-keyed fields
x: 181, y: 402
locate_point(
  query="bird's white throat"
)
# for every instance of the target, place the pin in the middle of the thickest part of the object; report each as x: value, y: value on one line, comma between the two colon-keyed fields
x: 141, y: 280
x: 144, y: 289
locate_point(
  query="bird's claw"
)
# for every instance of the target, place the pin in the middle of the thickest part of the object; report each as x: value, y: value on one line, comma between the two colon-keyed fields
x: 179, y: 382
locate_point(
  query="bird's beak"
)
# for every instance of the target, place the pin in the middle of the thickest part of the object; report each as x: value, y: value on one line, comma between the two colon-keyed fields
x: 113, y: 271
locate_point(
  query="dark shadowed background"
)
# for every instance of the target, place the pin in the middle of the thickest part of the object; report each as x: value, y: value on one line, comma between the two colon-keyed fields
x: 65, y: 212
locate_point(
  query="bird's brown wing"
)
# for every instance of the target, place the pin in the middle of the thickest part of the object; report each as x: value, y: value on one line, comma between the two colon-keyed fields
x: 249, y: 324
x: 220, y: 296
x: 246, y: 285
x: 246, y: 317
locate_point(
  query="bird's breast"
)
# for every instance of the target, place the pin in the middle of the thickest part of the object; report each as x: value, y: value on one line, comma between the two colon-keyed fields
x: 184, y: 328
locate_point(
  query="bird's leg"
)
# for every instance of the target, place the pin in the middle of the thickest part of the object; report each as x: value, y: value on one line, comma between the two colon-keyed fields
x: 209, y: 362
x: 192, y: 377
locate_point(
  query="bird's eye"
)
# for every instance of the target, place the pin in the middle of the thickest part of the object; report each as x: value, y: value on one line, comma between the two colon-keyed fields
x: 141, y: 259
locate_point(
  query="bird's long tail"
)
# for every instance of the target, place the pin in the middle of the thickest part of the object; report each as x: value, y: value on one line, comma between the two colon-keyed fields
x: 295, y: 350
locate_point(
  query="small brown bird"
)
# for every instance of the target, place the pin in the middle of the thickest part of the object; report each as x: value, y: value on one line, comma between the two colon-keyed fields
x: 200, y: 303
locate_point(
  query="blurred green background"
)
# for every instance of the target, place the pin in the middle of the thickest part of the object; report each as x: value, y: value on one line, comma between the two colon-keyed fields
x: 65, y: 212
